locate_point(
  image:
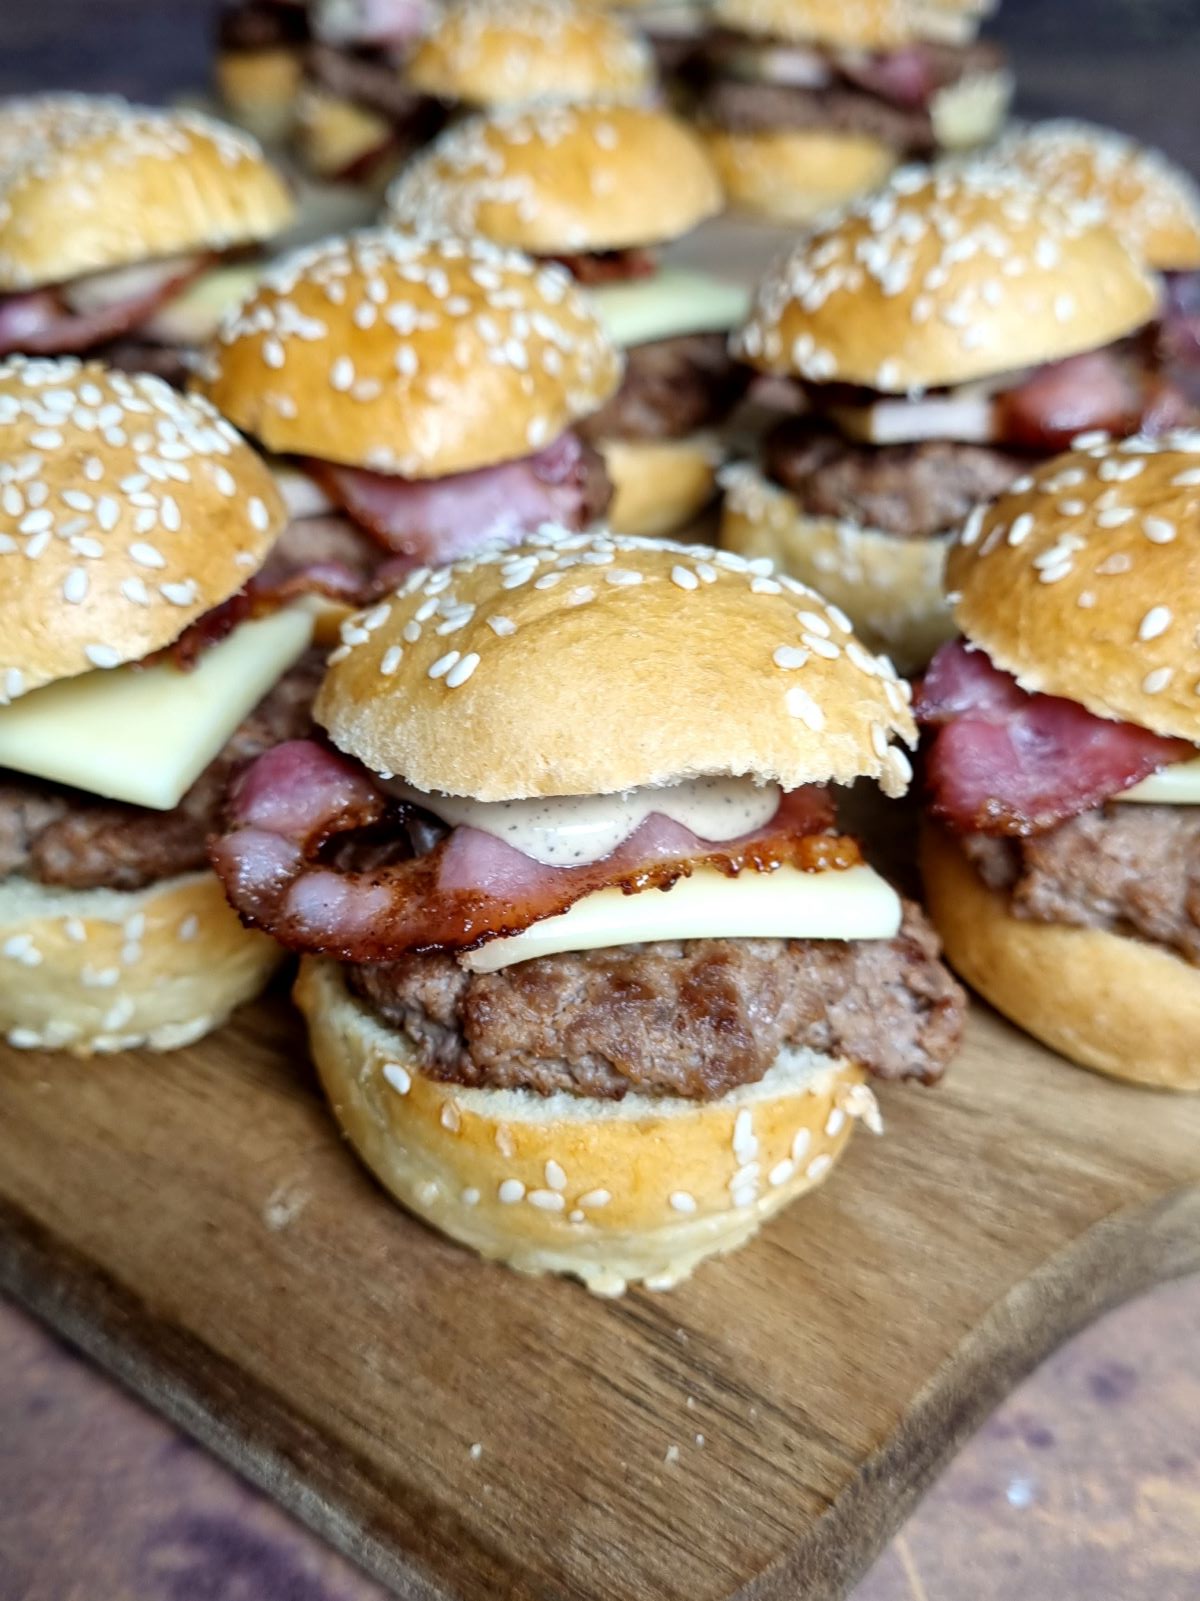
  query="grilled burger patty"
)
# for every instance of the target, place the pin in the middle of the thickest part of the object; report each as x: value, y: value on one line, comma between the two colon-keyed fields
x: 62, y: 836
x: 690, y: 1018
x: 1124, y: 868
x: 671, y: 388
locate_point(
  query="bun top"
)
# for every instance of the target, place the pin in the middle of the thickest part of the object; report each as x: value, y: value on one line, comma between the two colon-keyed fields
x: 502, y: 52
x: 135, y: 183
x: 410, y: 354
x: 127, y: 511
x: 587, y: 664
x: 561, y: 179
x: 942, y: 277
x: 1153, y: 204
x: 852, y: 24
x: 1084, y: 581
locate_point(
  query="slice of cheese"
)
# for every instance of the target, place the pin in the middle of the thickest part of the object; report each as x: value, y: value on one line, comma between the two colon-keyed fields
x: 674, y: 301
x: 1176, y: 785
x: 145, y: 735
x: 786, y: 904
x: 193, y: 316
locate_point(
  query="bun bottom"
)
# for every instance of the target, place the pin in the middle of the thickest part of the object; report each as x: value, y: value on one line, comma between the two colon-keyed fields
x: 611, y: 1192
x: 259, y: 88
x: 1107, y: 1002
x: 95, y: 971
x: 794, y: 175
x: 659, y: 485
x: 891, y: 589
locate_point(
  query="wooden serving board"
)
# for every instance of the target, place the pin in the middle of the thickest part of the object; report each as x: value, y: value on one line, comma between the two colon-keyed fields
x: 194, y: 1222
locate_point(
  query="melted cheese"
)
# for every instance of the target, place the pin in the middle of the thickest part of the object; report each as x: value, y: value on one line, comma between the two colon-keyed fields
x: 786, y: 904
x: 674, y: 301
x: 145, y: 735
x: 193, y: 316
x: 1176, y: 785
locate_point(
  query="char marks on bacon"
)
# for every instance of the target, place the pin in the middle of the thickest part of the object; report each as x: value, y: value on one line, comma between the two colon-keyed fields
x: 1005, y: 762
x: 40, y: 323
x: 321, y: 859
x: 436, y: 520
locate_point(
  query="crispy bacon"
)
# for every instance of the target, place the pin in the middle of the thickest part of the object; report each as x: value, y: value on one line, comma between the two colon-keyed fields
x: 1108, y: 390
x: 42, y: 324
x: 1006, y: 762
x: 907, y: 77
x: 322, y: 859
x: 436, y: 520
x: 608, y: 266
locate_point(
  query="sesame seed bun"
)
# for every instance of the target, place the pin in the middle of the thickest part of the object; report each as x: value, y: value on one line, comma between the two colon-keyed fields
x: 611, y: 1192
x: 503, y: 52
x: 660, y: 485
x: 136, y: 184
x: 942, y: 277
x: 588, y: 664
x: 891, y: 589
x: 561, y: 179
x: 795, y: 175
x: 412, y: 355
x: 1116, y: 1004
x: 100, y: 970
x: 849, y: 24
x: 258, y: 88
x: 1153, y: 204
x: 127, y: 511
x: 1085, y: 581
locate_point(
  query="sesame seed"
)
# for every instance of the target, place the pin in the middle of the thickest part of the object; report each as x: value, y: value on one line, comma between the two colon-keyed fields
x: 556, y: 1179
x: 684, y: 578
x: 799, y: 703
x: 391, y: 660
x: 75, y: 586
x: 622, y: 577
x: 189, y: 928
x: 1156, y: 621
x: 470, y: 1197
x: 595, y: 1198
x: 103, y: 656
x: 510, y: 1192
x: 1157, y: 680
x: 681, y: 1201
x: 800, y: 1145
x: 461, y: 670
x: 147, y: 555
x: 442, y: 666
x: 781, y: 1172
x: 1158, y: 530
x: 450, y: 1118
x: 546, y: 1200
x: 819, y: 1166
x: 789, y: 656
x: 398, y: 1077
x: 835, y: 1122
x: 502, y: 627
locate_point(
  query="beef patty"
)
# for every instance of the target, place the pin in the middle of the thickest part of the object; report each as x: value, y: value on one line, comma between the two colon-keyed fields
x: 1124, y: 868
x: 671, y: 388
x: 62, y: 836
x: 776, y: 107
x: 691, y: 1018
x: 913, y: 491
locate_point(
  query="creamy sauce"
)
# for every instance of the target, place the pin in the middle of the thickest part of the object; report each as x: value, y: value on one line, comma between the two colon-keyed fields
x: 571, y: 830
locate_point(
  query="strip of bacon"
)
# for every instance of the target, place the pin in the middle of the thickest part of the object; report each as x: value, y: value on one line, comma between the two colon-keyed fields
x: 436, y: 520
x: 42, y: 324
x: 1104, y: 389
x: 608, y: 266
x: 907, y: 77
x: 1007, y: 762
x: 312, y: 858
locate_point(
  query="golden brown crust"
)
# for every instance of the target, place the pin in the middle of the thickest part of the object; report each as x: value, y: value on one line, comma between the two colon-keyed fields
x: 612, y: 1192
x: 91, y: 971
x: 504, y: 52
x: 1153, y: 204
x: 850, y: 24
x: 587, y: 664
x: 889, y: 294
x: 1084, y: 581
x: 660, y: 485
x: 412, y: 355
x: 1118, y: 1005
x: 127, y: 510
x: 118, y: 172
x: 792, y: 175
x: 891, y: 589
x: 562, y: 179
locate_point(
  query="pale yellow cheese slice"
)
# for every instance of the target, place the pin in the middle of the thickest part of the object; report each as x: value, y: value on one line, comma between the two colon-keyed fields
x: 786, y: 904
x: 145, y: 735
x: 1176, y: 785
x: 675, y: 301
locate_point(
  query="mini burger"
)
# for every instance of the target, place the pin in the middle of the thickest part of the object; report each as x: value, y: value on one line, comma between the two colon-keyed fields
x: 420, y: 391
x: 486, y: 53
x: 593, y: 981
x: 143, y: 659
x: 1152, y: 203
x: 158, y: 204
x: 812, y: 102
x: 944, y: 336
x: 1062, y: 856
x: 600, y: 189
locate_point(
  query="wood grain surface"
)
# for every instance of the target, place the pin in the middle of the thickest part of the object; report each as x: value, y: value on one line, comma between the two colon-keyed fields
x: 193, y: 1222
